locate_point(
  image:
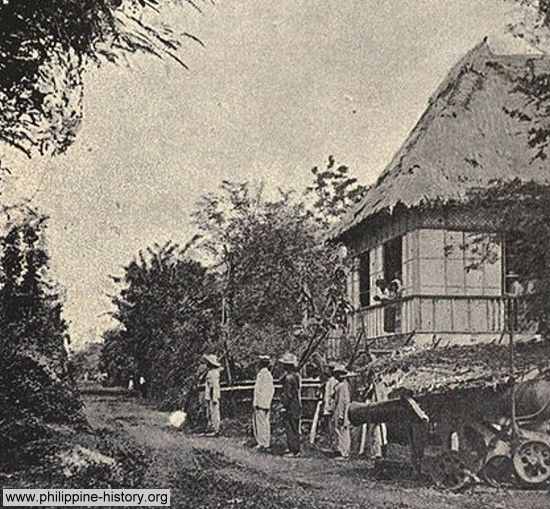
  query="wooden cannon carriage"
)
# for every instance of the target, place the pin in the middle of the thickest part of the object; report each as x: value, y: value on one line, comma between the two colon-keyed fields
x: 457, y: 405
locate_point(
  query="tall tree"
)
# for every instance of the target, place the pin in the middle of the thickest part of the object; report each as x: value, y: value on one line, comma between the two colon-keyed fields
x: 274, y: 284
x: 30, y: 300
x: 116, y: 359
x: 284, y: 286
x: 165, y: 307
x: 45, y: 47
x: 35, y: 385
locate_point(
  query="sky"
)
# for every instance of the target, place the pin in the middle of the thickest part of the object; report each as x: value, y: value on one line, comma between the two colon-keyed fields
x: 277, y: 87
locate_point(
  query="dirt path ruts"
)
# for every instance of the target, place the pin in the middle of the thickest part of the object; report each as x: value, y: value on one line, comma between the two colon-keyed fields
x: 323, y: 481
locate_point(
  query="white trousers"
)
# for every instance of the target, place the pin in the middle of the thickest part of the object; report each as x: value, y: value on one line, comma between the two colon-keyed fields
x: 262, y: 427
x: 214, y: 415
x: 343, y: 440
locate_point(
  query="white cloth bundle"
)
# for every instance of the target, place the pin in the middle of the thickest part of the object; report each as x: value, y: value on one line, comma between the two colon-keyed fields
x: 177, y: 419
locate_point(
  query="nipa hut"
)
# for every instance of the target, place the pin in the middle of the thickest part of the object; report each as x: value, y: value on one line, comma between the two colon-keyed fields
x: 415, y: 227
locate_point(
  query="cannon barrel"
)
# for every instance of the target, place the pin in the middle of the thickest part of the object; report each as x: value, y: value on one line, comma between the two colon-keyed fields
x: 390, y: 411
x: 532, y: 402
x: 376, y: 413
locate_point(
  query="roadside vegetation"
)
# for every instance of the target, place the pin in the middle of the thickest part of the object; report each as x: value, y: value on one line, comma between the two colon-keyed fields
x: 258, y: 277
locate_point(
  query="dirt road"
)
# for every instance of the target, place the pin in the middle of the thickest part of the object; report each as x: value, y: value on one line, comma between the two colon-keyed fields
x: 222, y: 472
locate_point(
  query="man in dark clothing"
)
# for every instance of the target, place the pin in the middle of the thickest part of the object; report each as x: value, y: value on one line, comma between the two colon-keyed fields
x: 292, y: 405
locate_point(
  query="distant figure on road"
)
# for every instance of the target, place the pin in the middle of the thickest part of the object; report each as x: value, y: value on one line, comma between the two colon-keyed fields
x: 212, y: 394
x: 292, y: 404
x: 263, y: 396
x: 342, y: 400
x: 143, y: 386
x: 131, y: 385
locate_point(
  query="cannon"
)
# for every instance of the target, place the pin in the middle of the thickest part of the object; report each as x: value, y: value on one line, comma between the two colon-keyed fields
x: 498, y: 442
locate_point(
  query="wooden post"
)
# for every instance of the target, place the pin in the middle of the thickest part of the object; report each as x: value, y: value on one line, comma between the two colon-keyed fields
x: 510, y: 308
x: 512, y: 364
x: 315, y: 423
x: 417, y: 410
x: 225, y: 323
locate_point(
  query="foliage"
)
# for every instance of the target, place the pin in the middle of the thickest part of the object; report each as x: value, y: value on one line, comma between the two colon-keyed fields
x: 115, y: 359
x: 165, y: 308
x: 284, y: 286
x: 535, y: 87
x: 71, y: 459
x: 273, y: 285
x: 35, y: 385
x: 533, y: 26
x: 335, y: 190
x: 523, y: 210
x: 44, y: 49
x: 266, y: 246
x: 85, y: 362
x: 533, y: 22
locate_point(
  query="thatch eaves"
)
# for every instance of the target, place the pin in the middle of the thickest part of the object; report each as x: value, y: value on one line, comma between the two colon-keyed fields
x: 461, y: 367
x: 476, y: 130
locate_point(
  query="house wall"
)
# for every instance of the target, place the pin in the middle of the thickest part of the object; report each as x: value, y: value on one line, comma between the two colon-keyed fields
x: 452, y: 275
x: 449, y: 262
x: 460, y: 315
x: 442, y: 263
x: 384, y: 227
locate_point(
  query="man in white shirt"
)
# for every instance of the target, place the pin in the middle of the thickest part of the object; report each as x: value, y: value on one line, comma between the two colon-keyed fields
x: 263, y: 396
x: 212, y: 393
x: 142, y: 387
x: 342, y: 400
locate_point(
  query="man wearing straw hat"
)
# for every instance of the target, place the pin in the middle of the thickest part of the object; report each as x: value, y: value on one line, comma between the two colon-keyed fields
x: 342, y: 400
x: 212, y: 393
x: 263, y: 395
x: 328, y: 403
x: 292, y: 404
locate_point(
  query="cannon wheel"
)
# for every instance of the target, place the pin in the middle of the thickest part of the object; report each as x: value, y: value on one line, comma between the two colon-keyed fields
x: 531, y: 461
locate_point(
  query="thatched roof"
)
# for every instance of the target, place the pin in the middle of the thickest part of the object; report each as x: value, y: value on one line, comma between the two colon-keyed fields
x: 460, y: 367
x: 467, y: 137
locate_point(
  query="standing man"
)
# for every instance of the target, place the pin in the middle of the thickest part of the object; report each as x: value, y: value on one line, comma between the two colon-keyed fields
x: 342, y: 400
x: 143, y: 386
x: 292, y: 404
x: 263, y: 396
x: 328, y: 404
x: 212, y: 394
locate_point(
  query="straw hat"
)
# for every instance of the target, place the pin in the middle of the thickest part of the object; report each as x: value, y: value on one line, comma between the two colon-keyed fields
x: 289, y: 359
x: 212, y: 360
x: 340, y: 368
x: 264, y: 360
